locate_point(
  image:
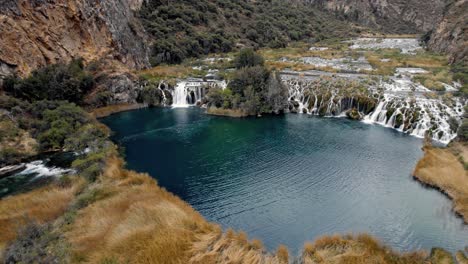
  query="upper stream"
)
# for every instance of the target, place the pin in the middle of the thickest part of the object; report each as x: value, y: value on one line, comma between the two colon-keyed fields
x: 292, y: 178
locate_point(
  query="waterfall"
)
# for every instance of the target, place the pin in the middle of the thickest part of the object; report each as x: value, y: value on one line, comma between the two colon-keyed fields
x: 417, y: 116
x: 163, y: 94
x: 180, y: 94
x: 413, y: 114
x: 192, y: 91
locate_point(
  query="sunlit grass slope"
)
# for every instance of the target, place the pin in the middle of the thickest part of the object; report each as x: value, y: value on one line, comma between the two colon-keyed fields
x: 445, y: 168
x: 125, y: 217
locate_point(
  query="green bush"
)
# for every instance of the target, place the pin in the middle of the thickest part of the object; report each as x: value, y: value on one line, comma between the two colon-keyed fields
x: 253, y: 88
x: 248, y: 58
x: 55, y: 82
x: 220, y: 98
x: 460, y: 74
x: 88, y: 136
x: 9, y: 155
x: 59, y: 124
x: 151, y: 95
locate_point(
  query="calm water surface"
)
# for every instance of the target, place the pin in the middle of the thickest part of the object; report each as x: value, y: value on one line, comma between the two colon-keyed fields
x: 290, y: 179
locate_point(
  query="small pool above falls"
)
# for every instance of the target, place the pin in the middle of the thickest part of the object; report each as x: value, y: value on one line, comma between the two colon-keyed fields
x: 289, y: 179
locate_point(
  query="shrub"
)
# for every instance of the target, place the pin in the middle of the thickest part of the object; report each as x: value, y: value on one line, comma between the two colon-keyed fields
x: 55, y: 82
x: 253, y: 89
x: 60, y: 123
x: 89, y: 136
x: 248, y: 58
x: 32, y: 245
x: 151, y: 95
x: 463, y: 131
x: 220, y: 98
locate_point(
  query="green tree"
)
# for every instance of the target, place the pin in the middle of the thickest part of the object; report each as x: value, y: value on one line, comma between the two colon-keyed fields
x: 248, y: 58
x: 55, y: 82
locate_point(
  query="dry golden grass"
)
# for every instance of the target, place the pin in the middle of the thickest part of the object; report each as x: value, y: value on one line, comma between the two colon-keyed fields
x: 41, y: 205
x: 297, y: 53
x: 167, y: 72
x: 382, y: 67
x: 296, y: 66
x: 140, y: 222
x: 441, y: 256
x: 113, y: 109
x: 135, y: 221
x: 282, y: 254
x: 231, y: 247
x: 461, y: 258
x: 442, y: 169
x: 355, y: 249
x: 143, y: 223
x: 226, y: 112
x: 437, y: 65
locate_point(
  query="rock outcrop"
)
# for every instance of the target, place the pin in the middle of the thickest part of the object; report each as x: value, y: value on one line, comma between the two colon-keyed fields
x: 35, y: 33
x: 392, y: 16
x: 114, y: 84
x: 451, y: 36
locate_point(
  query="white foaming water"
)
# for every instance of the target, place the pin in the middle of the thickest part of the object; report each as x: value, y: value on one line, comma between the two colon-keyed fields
x: 398, y: 103
x: 416, y: 116
x: 406, y: 45
x: 179, y: 96
x: 41, y: 170
x: 162, y: 92
x: 346, y: 64
x: 191, y: 91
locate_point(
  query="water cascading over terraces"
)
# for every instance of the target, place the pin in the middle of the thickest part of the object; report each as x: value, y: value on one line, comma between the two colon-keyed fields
x: 394, y: 103
x: 191, y: 91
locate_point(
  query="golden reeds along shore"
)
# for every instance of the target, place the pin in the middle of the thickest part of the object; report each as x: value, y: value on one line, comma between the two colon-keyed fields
x: 125, y: 217
x: 445, y: 169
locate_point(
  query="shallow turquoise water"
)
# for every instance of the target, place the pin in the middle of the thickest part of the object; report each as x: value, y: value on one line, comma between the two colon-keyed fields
x: 293, y: 178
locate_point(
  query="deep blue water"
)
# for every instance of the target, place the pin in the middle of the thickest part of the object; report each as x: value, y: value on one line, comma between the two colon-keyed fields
x: 289, y: 179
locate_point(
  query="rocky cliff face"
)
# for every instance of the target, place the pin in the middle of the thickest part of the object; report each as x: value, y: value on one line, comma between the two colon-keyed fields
x: 451, y: 36
x: 35, y: 33
x: 392, y: 16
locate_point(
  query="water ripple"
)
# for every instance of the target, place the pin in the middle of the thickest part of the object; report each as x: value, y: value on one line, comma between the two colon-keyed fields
x: 290, y: 179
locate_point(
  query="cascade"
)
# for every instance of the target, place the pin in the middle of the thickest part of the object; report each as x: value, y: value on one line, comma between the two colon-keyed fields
x: 163, y: 94
x: 191, y: 91
x: 395, y: 108
x: 180, y: 95
x: 417, y: 116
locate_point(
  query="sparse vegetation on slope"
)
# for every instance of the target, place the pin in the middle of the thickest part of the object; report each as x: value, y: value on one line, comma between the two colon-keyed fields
x: 190, y: 28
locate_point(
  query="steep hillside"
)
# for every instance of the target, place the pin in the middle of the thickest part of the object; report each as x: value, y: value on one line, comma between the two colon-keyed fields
x: 450, y: 36
x: 189, y: 28
x: 38, y: 33
x: 391, y: 16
